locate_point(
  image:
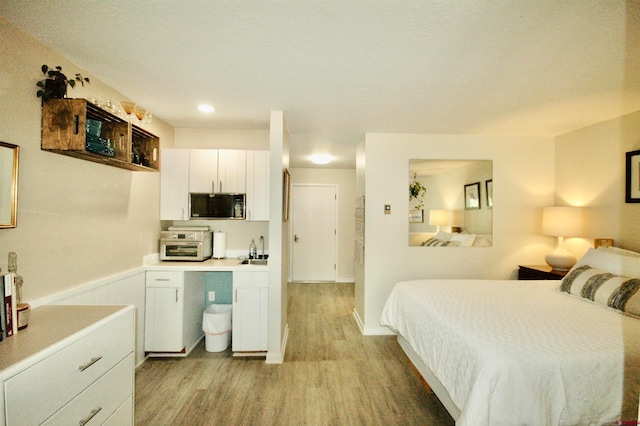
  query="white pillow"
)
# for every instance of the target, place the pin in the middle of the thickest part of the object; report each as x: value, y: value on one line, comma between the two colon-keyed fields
x: 465, y: 240
x: 441, y: 235
x: 619, y: 250
x: 615, y: 263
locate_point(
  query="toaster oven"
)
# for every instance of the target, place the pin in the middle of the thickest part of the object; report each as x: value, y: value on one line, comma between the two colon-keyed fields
x: 193, y: 245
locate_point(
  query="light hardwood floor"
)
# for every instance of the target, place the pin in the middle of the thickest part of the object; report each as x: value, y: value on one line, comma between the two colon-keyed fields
x: 332, y: 375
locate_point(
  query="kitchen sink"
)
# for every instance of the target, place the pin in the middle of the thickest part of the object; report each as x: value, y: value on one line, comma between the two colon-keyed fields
x: 254, y: 262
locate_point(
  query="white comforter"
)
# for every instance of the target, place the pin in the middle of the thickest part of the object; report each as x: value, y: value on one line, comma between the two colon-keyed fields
x: 521, y: 352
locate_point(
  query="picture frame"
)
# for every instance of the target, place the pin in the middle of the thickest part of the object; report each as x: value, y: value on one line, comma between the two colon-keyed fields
x: 416, y: 216
x: 489, y: 193
x: 472, y: 196
x: 286, y: 188
x: 632, y: 187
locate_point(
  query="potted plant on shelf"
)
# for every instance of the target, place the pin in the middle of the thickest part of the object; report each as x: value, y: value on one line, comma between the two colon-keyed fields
x: 54, y: 86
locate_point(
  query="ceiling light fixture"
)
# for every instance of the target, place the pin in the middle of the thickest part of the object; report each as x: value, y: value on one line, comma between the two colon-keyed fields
x: 321, y: 158
x: 206, y: 108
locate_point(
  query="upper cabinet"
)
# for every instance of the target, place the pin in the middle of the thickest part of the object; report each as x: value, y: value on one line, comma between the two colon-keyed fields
x: 257, y: 208
x: 174, y: 185
x: 217, y: 170
x: 78, y: 128
x: 212, y: 171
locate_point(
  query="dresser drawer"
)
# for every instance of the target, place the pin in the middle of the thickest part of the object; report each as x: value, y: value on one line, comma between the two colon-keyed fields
x: 36, y: 393
x: 96, y: 404
x: 123, y: 415
x: 164, y: 278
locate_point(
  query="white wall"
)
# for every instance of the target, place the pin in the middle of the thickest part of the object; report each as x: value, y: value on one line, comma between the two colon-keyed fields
x: 523, y: 179
x: 78, y: 221
x: 346, y: 181
x: 590, y: 172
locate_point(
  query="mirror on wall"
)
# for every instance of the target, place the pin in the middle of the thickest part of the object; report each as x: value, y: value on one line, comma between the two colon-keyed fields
x: 450, y: 203
x: 9, y: 155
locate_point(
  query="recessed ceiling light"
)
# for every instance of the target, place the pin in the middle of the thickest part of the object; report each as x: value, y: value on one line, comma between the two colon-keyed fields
x: 206, y: 108
x: 321, y: 158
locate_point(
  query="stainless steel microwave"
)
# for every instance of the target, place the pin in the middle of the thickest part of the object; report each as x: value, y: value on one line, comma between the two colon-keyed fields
x: 217, y: 206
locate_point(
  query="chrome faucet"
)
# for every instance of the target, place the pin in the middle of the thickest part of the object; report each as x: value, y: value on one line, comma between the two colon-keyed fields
x: 262, y: 245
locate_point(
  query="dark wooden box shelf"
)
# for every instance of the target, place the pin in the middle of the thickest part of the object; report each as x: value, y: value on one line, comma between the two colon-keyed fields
x: 64, y: 132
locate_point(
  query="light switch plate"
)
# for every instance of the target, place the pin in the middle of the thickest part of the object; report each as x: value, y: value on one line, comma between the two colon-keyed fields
x: 387, y: 209
x: 212, y: 296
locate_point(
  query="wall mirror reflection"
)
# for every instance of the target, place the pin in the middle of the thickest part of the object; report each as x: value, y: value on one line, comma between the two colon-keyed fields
x: 8, y: 185
x: 449, y: 205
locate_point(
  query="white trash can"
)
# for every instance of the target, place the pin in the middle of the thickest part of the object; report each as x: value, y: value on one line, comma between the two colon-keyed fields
x: 216, y: 324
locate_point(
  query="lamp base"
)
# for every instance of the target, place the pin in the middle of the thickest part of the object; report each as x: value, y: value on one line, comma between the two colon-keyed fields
x: 560, y: 259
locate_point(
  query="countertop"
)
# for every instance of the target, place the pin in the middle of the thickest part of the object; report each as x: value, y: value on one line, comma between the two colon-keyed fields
x: 211, y: 265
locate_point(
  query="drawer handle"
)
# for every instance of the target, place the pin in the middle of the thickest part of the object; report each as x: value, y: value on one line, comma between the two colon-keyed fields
x: 162, y: 279
x: 90, y: 363
x: 89, y: 417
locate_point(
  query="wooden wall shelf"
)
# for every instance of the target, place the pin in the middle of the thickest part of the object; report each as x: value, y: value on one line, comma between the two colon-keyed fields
x: 64, y: 131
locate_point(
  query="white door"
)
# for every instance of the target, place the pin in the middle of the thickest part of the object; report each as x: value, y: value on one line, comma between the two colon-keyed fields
x: 313, y: 232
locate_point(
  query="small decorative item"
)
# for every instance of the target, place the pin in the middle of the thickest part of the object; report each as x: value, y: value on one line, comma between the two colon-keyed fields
x: 416, y: 216
x: 55, y: 85
x: 602, y: 242
x: 633, y: 177
x: 22, y: 308
x: 417, y: 191
x: 489, y: 188
x: 472, y: 196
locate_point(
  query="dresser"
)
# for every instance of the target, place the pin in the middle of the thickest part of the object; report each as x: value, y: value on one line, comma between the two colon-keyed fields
x: 71, y: 365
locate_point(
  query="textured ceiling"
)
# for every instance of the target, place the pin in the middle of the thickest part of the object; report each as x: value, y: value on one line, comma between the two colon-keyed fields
x: 342, y: 68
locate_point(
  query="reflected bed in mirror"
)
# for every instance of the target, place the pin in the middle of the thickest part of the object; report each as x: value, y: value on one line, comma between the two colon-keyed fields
x: 454, y: 215
x: 9, y: 155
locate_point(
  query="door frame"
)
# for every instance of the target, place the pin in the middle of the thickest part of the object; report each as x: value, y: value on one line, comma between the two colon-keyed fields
x: 337, y: 232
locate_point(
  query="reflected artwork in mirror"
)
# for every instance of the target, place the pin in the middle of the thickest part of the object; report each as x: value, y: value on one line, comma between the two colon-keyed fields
x: 9, y: 155
x: 445, y: 203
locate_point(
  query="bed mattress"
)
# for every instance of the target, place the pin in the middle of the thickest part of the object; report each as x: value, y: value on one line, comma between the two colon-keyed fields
x: 521, y: 352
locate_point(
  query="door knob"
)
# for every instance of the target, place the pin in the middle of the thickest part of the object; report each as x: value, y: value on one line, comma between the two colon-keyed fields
x: 295, y: 238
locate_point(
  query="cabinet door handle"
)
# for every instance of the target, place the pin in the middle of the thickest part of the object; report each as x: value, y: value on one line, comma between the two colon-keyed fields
x: 76, y: 119
x: 235, y: 296
x: 162, y: 279
x: 90, y: 363
x: 89, y: 416
x: 176, y: 295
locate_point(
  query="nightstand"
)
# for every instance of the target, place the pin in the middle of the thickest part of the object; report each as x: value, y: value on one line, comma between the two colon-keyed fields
x: 539, y: 272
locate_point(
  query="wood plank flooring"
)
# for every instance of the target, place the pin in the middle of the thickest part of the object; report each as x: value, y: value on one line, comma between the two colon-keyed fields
x: 332, y: 375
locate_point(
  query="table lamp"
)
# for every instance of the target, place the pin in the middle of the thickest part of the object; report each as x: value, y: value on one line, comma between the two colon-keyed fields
x: 561, y: 222
x: 438, y: 218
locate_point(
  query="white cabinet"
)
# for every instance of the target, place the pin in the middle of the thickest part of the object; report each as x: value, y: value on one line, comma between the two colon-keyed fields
x: 250, y: 312
x: 257, y: 207
x: 173, y: 312
x: 213, y: 171
x: 203, y: 170
x: 232, y: 170
x: 72, y: 364
x: 174, y: 184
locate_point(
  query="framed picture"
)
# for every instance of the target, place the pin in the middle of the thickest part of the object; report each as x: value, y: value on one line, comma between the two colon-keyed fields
x: 489, y: 191
x: 416, y: 216
x: 472, y: 196
x: 286, y: 187
x: 633, y: 177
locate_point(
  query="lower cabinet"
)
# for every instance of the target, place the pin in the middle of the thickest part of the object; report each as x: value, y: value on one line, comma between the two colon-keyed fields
x: 250, y: 314
x: 72, y: 365
x: 173, y: 312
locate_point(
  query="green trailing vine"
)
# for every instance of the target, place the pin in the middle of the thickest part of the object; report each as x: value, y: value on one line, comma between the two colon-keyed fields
x: 417, y: 191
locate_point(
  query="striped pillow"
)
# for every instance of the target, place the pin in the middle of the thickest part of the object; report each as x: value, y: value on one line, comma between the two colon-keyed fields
x: 603, y: 287
x: 433, y: 242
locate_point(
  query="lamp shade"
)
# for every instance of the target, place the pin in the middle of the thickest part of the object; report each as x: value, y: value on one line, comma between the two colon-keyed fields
x: 562, y: 221
x: 438, y: 217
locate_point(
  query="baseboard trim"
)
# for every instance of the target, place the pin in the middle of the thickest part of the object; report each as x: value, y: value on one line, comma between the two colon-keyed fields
x: 279, y: 358
x: 371, y: 331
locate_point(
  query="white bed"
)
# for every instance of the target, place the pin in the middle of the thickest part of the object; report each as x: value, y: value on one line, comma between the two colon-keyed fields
x: 519, y: 352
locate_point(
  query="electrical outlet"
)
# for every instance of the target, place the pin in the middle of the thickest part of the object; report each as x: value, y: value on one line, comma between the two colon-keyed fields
x: 212, y: 296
